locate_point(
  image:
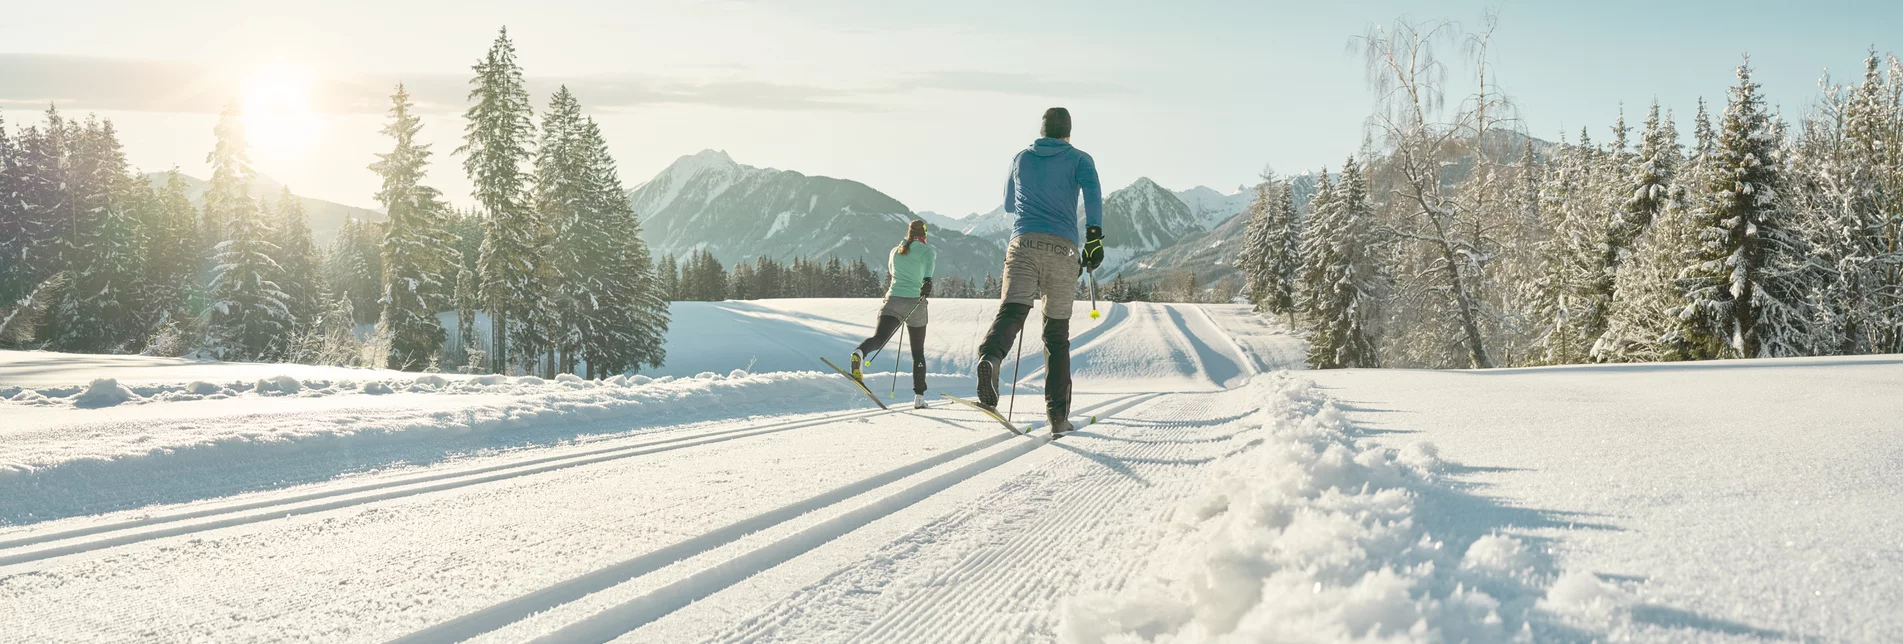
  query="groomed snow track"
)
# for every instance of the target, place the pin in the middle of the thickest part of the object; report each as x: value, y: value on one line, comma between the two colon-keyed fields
x: 969, y: 461
x: 682, y: 533
x: 127, y: 532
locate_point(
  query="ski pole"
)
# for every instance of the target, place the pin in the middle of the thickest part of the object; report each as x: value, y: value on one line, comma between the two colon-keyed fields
x: 1014, y: 375
x: 1093, y: 295
x: 895, y: 362
x: 903, y: 328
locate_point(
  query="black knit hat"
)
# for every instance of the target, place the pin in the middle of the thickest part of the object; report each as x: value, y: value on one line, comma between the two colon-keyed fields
x: 1056, y: 123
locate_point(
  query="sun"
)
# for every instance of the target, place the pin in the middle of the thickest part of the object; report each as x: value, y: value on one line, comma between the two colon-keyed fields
x: 279, y: 122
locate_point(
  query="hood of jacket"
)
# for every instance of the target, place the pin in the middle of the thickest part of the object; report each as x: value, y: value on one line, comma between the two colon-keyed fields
x: 1049, y: 147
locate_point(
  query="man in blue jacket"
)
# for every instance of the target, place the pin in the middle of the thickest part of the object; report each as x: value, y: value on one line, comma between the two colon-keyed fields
x: 1042, y: 191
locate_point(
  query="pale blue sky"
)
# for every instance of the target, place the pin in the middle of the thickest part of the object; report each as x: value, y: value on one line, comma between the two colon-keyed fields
x: 925, y: 101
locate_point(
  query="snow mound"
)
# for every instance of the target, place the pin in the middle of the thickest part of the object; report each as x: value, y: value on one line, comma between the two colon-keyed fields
x: 53, y: 441
x: 1584, y: 594
x: 278, y: 385
x: 569, y: 378
x: 103, y: 392
x: 1315, y: 536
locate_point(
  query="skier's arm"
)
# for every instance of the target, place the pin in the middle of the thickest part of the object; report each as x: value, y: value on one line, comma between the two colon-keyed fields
x: 1011, y: 187
x: 1093, y: 191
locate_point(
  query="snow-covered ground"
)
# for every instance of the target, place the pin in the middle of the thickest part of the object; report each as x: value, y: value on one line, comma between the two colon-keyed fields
x: 740, y: 495
x: 1744, y: 499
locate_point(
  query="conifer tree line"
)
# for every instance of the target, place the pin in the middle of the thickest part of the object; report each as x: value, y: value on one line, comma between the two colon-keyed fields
x: 95, y: 258
x: 1458, y: 242
x: 702, y: 278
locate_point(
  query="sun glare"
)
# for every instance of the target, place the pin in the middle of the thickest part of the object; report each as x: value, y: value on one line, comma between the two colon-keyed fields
x: 279, y: 121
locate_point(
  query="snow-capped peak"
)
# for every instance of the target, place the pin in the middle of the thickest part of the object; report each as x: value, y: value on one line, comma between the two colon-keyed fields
x: 709, y: 159
x: 1211, y: 207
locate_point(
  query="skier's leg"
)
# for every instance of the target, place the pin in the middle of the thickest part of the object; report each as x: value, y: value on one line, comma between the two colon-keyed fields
x: 918, y: 358
x: 1004, y: 330
x: 1019, y: 290
x: 1057, y: 278
x: 1056, y: 369
x: 887, y: 325
x: 881, y: 335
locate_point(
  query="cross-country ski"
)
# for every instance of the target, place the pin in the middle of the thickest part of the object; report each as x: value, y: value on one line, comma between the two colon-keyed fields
x: 987, y: 411
x: 857, y: 383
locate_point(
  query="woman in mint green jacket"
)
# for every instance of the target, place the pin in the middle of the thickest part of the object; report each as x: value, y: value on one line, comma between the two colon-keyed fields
x: 910, y: 265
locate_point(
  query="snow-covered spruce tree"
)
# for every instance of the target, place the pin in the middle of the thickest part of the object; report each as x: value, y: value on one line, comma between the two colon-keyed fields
x: 417, y: 251
x: 1309, y: 278
x: 229, y: 191
x: 174, y: 251
x: 249, y: 318
x: 13, y: 218
x: 578, y: 239
x: 38, y: 183
x: 1285, y: 249
x: 20, y: 318
x: 1254, y: 260
x: 99, y: 245
x: 353, y: 267
x: 864, y: 282
x: 498, y: 138
x: 1742, y: 284
x: 1648, y: 177
x: 1643, y: 317
x: 633, y: 307
x: 667, y: 274
x: 1339, y: 255
x: 297, y: 255
x: 1577, y: 286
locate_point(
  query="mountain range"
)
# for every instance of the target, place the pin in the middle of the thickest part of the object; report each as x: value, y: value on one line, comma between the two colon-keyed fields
x: 707, y: 201
x: 1144, y: 219
x: 325, y: 217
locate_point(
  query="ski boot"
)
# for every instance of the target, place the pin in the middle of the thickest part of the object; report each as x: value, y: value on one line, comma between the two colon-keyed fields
x: 918, y: 401
x: 1060, y: 425
x: 988, y: 382
x: 857, y: 359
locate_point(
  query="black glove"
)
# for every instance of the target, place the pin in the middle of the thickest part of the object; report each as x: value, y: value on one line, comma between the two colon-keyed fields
x: 1093, y: 247
x: 925, y: 289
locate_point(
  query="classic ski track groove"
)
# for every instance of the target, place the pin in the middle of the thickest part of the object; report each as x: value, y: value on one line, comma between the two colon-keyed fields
x: 671, y: 597
x: 1079, y: 504
x: 1247, y: 360
x: 623, y: 618
x: 428, y: 483
x: 986, y: 579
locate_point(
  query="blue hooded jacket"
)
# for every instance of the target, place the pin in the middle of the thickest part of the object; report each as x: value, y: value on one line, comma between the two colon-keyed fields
x: 1043, y: 186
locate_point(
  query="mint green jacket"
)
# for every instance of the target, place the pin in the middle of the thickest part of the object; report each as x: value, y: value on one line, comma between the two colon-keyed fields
x: 909, y: 271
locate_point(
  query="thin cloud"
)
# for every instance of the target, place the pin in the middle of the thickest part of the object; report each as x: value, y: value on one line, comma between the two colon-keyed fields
x: 91, y: 83
x: 1009, y: 83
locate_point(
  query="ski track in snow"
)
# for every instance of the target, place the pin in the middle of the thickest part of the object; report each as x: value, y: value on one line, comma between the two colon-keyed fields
x: 1216, y: 499
x: 286, y: 506
x: 994, y: 569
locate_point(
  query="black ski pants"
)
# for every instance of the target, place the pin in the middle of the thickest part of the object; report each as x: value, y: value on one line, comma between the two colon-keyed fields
x: 889, y: 324
x: 1004, y: 331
